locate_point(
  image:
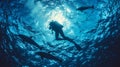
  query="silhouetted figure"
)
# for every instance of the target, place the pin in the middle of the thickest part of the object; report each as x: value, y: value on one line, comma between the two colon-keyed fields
x: 57, y: 28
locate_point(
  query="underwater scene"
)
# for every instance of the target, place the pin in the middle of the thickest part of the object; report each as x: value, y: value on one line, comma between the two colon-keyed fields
x: 59, y: 33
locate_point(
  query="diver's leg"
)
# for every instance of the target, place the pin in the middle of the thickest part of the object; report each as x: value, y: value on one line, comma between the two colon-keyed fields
x: 65, y: 37
x: 57, y: 36
x: 62, y: 34
x: 71, y: 40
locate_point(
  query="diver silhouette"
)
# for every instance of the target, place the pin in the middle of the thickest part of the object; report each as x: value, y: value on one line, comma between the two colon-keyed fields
x: 57, y: 28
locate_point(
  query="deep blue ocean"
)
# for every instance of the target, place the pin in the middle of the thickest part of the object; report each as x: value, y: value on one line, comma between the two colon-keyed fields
x: 89, y: 35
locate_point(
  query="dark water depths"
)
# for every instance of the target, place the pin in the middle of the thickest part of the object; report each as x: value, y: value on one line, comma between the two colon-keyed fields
x: 96, y: 30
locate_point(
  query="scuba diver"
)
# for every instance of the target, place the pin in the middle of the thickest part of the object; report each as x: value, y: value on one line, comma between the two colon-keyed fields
x: 57, y: 28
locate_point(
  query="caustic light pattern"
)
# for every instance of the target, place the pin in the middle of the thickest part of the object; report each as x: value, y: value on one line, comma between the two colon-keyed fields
x: 59, y: 33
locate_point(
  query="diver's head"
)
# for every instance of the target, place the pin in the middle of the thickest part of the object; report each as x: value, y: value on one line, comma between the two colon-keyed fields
x: 52, y: 22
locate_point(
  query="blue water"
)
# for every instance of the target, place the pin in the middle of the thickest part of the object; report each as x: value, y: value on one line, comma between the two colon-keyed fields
x: 96, y: 31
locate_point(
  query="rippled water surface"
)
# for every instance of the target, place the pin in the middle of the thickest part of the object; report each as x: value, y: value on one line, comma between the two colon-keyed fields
x: 96, y: 30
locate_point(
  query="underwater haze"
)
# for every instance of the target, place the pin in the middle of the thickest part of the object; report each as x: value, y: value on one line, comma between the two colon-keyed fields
x: 89, y: 33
